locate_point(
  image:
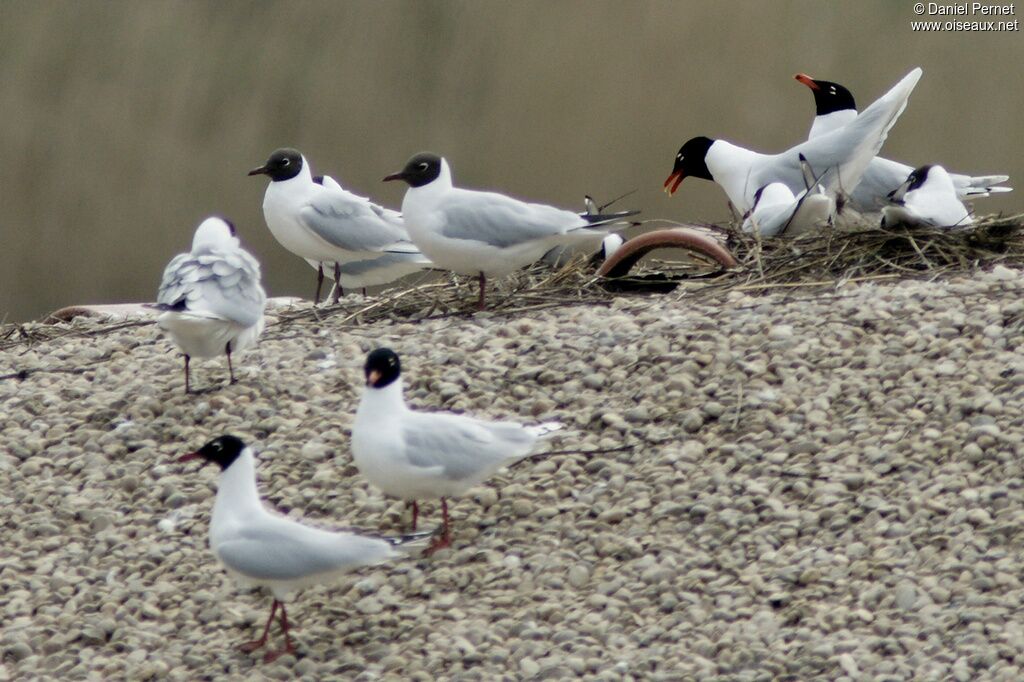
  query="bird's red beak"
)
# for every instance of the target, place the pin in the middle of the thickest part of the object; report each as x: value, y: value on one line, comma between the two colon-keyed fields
x: 189, y: 457
x: 807, y: 80
x: 372, y: 378
x: 394, y: 176
x: 674, y: 179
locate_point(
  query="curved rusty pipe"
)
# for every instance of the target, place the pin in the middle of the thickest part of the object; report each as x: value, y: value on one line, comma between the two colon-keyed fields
x: 627, y: 255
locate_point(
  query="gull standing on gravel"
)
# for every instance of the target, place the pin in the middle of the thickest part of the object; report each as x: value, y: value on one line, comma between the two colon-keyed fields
x: 260, y: 548
x: 926, y: 197
x: 483, y: 233
x: 835, y: 107
x: 845, y: 153
x: 331, y: 227
x: 425, y: 456
x: 378, y: 269
x: 211, y: 298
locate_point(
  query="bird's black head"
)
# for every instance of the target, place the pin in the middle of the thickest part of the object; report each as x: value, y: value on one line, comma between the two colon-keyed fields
x: 283, y: 164
x: 222, y: 451
x: 828, y: 96
x: 421, y: 169
x: 915, y: 180
x: 690, y: 162
x: 918, y: 177
x: 382, y: 368
x: 231, y: 225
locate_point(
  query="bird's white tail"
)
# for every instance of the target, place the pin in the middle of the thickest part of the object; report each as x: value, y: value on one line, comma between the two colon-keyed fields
x: 982, y: 185
x: 413, y: 543
x: 542, y: 431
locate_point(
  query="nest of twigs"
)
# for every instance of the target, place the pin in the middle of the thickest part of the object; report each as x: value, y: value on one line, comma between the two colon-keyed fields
x: 866, y: 251
x: 853, y: 253
x: 858, y: 251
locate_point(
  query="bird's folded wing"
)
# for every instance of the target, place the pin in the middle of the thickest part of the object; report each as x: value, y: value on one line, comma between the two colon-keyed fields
x: 285, y: 550
x: 224, y: 284
x: 461, y: 447
x: 350, y: 222
x: 502, y: 221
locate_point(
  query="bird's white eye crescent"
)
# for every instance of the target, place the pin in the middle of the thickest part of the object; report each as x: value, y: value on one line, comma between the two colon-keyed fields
x: 422, y: 166
x: 679, y: 157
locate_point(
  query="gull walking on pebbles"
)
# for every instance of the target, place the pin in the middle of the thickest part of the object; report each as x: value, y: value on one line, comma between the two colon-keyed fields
x: 261, y: 548
x: 428, y: 455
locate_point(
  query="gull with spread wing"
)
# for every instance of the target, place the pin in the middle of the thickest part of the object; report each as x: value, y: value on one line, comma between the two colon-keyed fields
x: 844, y: 154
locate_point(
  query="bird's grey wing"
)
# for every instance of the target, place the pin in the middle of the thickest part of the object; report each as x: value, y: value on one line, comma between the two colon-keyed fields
x: 844, y: 154
x: 349, y: 222
x: 281, y: 549
x: 461, y: 446
x: 881, y: 178
x: 224, y: 284
x: 360, y: 268
x: 176, y: 280
x: 502, y: 221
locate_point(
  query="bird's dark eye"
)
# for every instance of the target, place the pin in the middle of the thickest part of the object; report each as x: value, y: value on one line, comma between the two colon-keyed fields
x: 216, y: 447
x: 286, y: 162
x: 423, y: 166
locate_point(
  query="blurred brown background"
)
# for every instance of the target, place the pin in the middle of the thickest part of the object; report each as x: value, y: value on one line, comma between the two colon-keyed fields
x: 123, y: 124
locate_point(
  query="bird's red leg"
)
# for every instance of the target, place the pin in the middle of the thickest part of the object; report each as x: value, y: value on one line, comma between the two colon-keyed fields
x: 319, y: 282
x: 415, y: 515
x: 445, y: 539
x: 338, y: 291
x: 231, y: 370
x: 272, y: 656
x: 257, y: 643
x: 187, y: 387
x: 480, y: 305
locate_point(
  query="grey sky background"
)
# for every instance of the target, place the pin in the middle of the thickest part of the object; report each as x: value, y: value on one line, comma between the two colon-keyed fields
x: 125, y: 123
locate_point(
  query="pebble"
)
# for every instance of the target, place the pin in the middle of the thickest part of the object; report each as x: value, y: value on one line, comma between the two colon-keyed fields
x: 578, y: 575
x: 851, y: 512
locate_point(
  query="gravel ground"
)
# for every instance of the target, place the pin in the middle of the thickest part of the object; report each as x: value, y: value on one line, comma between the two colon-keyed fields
x: 821, y: 486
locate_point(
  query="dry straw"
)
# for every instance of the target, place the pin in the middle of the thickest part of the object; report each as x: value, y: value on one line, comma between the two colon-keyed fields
x: 860, y: 252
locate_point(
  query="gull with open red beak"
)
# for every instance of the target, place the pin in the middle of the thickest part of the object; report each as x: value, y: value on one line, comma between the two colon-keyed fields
x: 843, y: 154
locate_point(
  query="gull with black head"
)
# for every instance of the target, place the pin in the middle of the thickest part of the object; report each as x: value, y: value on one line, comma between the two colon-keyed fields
x: 844, y: 154
x: 835, y: 107
x: 484, y: 233
x: 927, y: 197
x: 260, y: 548
x: 429, y: 455
x: 211, y: 298
x: 364, y: 243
